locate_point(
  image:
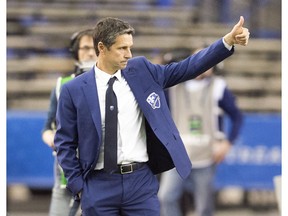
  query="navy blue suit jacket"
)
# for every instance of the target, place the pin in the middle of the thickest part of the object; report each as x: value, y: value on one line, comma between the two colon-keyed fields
x: 79, y: 118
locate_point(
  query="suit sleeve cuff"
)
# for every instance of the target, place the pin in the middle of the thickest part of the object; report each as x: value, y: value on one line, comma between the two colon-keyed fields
x: 229, y: 47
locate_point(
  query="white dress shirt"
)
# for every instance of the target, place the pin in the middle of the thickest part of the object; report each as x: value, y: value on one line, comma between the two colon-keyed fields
x: 131, y: 125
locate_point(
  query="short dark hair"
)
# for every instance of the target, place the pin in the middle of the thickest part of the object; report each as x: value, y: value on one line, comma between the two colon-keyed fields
x: 108, y: 29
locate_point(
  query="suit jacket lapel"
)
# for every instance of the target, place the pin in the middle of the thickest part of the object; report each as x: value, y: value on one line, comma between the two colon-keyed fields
x: 91, y: 95
x: 137, y: 85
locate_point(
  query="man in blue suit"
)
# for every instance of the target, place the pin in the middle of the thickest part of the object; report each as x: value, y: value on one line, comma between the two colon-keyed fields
x: 148, y: 141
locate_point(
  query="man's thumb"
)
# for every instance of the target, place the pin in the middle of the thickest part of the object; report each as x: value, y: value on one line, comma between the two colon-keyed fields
x: 241, y: 22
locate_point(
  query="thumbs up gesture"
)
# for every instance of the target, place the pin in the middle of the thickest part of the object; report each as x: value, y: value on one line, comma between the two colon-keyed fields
x: 238, y: 35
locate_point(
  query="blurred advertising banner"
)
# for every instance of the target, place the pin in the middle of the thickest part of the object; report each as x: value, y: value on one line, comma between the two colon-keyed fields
x: 251, y: 164
x: 255, y: 157
x: 29, y: 159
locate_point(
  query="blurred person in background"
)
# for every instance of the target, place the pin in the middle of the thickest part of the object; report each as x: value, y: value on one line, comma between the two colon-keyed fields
x: 146, y: 140
x: 82, y: 50
x: 198, y: 107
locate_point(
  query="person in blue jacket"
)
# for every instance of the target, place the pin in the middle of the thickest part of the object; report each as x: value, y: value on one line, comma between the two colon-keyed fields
x: 198, y: 108
x: 148, y: 141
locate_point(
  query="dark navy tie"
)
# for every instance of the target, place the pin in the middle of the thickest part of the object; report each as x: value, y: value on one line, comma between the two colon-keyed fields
x: 110, y: 139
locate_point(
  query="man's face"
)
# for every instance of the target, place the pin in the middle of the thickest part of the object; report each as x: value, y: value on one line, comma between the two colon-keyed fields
x: 86, y: 50
x: 117, y: 56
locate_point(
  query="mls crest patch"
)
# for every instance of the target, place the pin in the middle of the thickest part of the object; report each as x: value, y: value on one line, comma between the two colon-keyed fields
x: 154, y: 100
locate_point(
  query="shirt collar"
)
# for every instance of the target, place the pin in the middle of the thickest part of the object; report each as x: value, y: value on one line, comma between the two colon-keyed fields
x: 104, y: 77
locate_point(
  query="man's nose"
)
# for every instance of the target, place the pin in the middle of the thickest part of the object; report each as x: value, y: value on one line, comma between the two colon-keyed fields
x: 128, y: 54
x: 92, y: 51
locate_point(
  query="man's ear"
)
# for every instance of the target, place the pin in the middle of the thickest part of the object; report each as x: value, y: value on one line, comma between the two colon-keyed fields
x: 101, y: 47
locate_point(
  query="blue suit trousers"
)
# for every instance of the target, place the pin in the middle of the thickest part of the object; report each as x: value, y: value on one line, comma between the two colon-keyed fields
x: 115, y: 194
